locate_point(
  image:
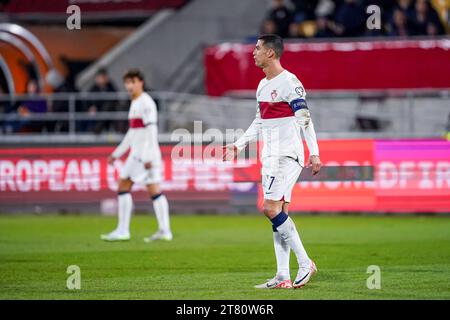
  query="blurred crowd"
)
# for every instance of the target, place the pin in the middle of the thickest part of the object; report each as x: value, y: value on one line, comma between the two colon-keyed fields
x: 287, y: 18
x: 347, y: 18
x: 17, y: 113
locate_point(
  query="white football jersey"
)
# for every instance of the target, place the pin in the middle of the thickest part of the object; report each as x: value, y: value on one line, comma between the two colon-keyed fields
x: 142, y: 135
x: 281, y: 113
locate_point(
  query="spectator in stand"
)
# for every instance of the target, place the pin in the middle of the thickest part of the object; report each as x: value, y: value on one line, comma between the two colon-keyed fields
x: 102, y: 85
x: 304, y: 10
x: 102, y: 82
x: 294, y: 30
x: 350, y: 19
x: 399, y: 25
x: 323, y: 28
x: 268, y: 27
x: 325, y: 8
x: 347, y: 18
x: 426, y: 20
x: 62, y: 105
x: 33, y: 103
x: 407, y: 7
x: 281, y: 16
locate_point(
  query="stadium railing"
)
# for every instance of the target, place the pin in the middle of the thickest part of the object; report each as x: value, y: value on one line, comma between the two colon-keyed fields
x: 344, y: 114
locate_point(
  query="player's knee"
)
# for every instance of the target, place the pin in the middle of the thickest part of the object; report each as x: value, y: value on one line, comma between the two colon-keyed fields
x: 269, y: 213
x: 270, y: 210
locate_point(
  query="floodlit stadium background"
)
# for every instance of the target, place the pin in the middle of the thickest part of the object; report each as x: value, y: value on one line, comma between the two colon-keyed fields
x: 379, y: 98
x: 380, y: 103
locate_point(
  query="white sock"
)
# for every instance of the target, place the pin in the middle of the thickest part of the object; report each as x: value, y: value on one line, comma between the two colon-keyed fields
x: 289, y: 234
x: 161, y: 207
x: 282, y: 253
x: 125, y: 209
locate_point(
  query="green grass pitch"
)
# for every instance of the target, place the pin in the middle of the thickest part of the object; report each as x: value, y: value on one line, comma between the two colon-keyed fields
x: 222, y: 257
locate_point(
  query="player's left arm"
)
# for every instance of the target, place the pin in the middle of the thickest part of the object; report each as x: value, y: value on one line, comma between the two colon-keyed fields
x: 121, y: 148
x: 296, y: 97
x: 151, y: 135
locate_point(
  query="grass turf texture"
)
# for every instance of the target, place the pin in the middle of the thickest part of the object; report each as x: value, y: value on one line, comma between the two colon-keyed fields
x: 222, y: 257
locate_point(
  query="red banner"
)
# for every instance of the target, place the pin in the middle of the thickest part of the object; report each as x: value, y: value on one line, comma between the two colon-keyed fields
x: 392, y: 64
x: 410, y: 176
x: 82, y: 175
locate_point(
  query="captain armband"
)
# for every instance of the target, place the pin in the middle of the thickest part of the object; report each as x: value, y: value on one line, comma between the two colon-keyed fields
x: 298, y: 104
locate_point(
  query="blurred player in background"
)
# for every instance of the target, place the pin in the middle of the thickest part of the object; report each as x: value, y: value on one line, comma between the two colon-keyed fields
x: 282, y: 112
x: 143, y: 164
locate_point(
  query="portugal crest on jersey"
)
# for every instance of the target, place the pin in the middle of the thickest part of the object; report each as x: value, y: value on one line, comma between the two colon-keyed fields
x: 273, y: 94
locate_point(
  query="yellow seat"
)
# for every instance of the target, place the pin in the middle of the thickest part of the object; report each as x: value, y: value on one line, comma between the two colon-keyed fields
x: 307, y: 28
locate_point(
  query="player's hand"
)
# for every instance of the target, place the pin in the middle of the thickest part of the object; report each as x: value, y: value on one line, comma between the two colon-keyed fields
x: 316, y: 164
x: 111, y: 160
x: 148, y: 165
x: 229, y: 152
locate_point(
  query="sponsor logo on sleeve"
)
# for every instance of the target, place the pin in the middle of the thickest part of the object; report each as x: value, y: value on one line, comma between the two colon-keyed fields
x: 300, y: 91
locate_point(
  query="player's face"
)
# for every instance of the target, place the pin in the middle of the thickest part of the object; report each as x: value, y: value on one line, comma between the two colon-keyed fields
x: 133, y: 86
x: 261, y: 54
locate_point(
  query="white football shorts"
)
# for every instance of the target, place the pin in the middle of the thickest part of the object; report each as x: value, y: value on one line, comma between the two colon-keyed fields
x: 135, y: 170
x: 279, y: 176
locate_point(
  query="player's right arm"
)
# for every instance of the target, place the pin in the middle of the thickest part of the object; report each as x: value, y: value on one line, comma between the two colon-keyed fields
x: 231, y: 150
x: 121, y: 148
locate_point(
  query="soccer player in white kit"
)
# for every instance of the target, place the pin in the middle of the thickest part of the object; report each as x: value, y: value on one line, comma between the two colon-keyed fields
x: 281, y: 114
x: 143, y: 164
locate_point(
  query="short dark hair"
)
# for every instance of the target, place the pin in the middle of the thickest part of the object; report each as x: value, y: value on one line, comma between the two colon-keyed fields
x: 133, y: 73
x: 274, y: 42
x: 102, y: 71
